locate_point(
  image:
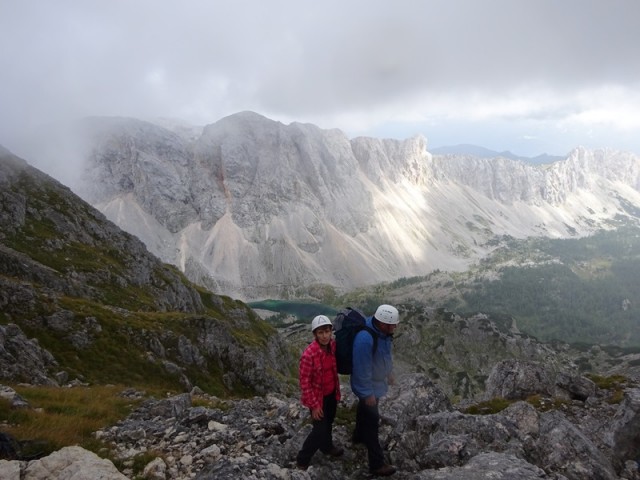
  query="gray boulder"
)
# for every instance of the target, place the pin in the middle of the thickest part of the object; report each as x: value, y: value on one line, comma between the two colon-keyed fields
x: 563, y: 448
x: 517, y: 380
x: 624, y: 436
x: 23, y: 360
x: 490, y: 465
x: 15, y: 400
x: 68, y: 463
x: 574, y: 387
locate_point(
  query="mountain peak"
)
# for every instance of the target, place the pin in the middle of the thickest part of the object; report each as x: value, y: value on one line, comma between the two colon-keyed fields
x: 255, y: 208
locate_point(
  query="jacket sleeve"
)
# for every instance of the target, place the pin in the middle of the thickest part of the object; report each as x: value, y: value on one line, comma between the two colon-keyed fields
x: 309, y: 396
x: 361, y: 377
x: 336, y: 379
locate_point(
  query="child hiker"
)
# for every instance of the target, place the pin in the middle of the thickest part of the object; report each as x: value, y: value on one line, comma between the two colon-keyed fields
x: 320, y: 391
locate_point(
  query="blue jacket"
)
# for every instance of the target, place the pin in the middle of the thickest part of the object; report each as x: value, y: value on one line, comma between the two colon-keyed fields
x: 371, y: 372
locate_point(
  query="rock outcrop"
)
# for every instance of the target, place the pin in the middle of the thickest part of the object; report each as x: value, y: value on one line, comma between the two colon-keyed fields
x: 23, y: 360
x: 473, y: 355
x: 72, y: 463
x: 624, y: 433
x: 516, y: 380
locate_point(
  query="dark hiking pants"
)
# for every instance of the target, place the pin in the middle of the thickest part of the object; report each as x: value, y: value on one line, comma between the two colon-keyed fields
x: 320, y: 437
x: 366, y: 431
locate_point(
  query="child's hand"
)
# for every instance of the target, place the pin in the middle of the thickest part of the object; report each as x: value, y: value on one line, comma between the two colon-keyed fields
x: 317, y: 414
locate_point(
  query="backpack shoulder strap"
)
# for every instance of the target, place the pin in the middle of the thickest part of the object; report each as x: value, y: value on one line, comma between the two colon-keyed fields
x: 374, y: 335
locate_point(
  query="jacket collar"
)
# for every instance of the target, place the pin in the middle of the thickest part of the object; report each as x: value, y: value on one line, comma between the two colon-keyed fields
x: 375, y: 329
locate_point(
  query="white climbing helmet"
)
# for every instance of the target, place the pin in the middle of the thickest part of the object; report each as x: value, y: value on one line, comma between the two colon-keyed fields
x: 319, y: 321
x: 387, y: 314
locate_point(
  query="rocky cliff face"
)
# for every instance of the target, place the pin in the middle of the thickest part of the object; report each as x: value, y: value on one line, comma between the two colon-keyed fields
x: 256, y: 208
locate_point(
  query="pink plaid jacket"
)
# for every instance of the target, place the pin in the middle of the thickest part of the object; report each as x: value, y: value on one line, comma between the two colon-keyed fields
x: 312, y: 374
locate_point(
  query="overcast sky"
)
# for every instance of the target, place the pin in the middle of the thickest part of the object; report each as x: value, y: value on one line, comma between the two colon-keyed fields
x: 530, y: 76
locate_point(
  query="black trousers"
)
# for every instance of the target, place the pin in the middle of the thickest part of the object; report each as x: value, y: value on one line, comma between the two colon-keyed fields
x: 366, y: 431
x: 320, y: 437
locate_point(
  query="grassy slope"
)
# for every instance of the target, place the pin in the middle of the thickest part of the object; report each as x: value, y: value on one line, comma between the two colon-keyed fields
x: 66, y: 257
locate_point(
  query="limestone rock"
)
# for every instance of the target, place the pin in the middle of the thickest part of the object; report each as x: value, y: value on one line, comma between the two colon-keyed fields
x: 9, y: 470
x: 575, y: 386
x: 23, y: 360
x: 489, y: 466
x: 563, y: 448
x: 71, y: 463
x: 624, y: 436
x: 518, y: 380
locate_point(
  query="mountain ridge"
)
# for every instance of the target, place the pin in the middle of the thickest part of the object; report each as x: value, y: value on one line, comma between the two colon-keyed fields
x: 254, y: 208
x: 483, y: 152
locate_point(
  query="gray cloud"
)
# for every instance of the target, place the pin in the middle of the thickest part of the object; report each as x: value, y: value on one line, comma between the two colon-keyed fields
x: 356, y: 65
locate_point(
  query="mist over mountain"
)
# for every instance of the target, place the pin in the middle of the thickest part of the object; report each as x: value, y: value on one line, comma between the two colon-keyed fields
x: 254, y: 208
x: 482, y: 152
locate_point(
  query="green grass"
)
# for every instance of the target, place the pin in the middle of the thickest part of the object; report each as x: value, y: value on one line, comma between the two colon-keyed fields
x: 609, y: 382
x: 544, y: 404
x: 119, y: 351
x: 615, y: 384
x: 60, y: 417
x: 488, y: 407
x: 497, y: 404
x: 346, y: 417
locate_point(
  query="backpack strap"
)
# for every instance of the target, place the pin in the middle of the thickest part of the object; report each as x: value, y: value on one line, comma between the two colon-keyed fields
x: 374, y: 335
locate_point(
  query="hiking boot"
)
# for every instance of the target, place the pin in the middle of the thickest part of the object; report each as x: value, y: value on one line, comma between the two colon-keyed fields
x: 335, y: 452
x: 301, y: 466
x: 384, y: 471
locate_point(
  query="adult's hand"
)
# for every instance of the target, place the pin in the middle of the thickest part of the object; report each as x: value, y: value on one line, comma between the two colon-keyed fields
x: 317, y: 413
x: 370, y: 401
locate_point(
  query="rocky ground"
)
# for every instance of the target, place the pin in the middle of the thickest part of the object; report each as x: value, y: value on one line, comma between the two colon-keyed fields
x: 575, y: 432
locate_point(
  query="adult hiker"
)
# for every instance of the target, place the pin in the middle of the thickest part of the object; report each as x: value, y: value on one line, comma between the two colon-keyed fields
x: 320, y: 389
x: 370, y: 379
